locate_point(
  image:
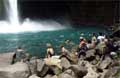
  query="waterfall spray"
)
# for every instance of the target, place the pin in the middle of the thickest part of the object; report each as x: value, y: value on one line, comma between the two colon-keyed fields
x: 14, y: 25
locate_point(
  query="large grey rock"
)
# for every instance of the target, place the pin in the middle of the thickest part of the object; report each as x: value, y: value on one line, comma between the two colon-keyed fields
x: 91, y: 71
x: 110, y: 73
x: 40, y: 65
x: 65, y: 63
x: 44, y: 71
x: 6, y: 59
x: 79, y: 71
x: 56, y: 70
x: 36, y: 66
x: 70, y: 72
x: 18, y: 70
x: 33, y: 66
x: 64, y: 75
x: 48, y: 76
x: 105, y: 63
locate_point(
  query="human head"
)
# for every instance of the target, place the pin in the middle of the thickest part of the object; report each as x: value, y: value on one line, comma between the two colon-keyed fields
x: 48, y: 45
x: 81, y: 38
x: 89, y: 41
x: 93, y: 34
x: 61, y: 46
x: 100, y: 33
x: 19, y: 47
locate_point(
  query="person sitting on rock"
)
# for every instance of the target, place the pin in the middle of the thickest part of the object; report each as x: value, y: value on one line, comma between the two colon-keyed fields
x: 101, y: 47
x: 50, y: 50
x: 100, y: 37
x: 64, y: 51
x: 82, y: 47
x: 90, y: 45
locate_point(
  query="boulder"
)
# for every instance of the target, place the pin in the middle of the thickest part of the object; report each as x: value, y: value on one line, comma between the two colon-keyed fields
x: 70, y: 72
x: 18, y: 70
x: 105, y: 63
x: 33, y: 66
x: 112, y: 72
x: 65, y: 63
x: 55, y: 70
x: 79, y: 71
x: 6, y: 59
x: 91, y: 71
x: 48, y: 76
x: 34, y: 76
x: 64, y: 75
x: 54, y: 76
x: 44, y: 71
x: 54, y: 61
x: 40, y: 65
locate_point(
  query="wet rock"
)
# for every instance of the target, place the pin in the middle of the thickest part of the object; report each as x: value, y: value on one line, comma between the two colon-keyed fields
x: 18, y: 70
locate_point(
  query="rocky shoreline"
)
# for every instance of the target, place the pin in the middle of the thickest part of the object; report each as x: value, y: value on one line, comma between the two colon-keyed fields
x: 53, y: 68
x: 91, y: 66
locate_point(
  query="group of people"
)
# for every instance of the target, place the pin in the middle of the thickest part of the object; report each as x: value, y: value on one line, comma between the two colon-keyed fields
x: 104, y: 44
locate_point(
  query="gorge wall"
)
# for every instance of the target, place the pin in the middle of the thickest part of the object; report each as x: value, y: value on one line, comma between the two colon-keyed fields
x: 105, y: 12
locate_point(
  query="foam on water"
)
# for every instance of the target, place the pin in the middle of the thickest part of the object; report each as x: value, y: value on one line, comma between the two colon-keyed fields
x: 29, y: 26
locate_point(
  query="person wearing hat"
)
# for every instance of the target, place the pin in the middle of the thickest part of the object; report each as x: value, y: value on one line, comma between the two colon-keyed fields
x: 50, y: 50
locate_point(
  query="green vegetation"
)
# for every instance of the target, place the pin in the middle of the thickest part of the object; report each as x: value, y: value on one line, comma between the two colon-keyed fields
x: 1, y: 9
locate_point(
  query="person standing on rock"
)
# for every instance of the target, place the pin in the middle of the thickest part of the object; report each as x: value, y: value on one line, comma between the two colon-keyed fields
x: 19, y: 55
x: 50, y: 50
x: 100, y: 37
x: 94, y: 39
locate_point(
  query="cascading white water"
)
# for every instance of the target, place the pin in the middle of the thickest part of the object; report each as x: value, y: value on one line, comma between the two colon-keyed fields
x: 13, y: 12
x: 14, y: 26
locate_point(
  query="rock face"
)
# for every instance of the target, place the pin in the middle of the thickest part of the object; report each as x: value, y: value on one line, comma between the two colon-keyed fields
x: 18, y: 70
x: 6, y: 59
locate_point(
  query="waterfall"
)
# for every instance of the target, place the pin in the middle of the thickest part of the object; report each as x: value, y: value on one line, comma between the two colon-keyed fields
x: 13, y: 12
x: 14, y: 25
